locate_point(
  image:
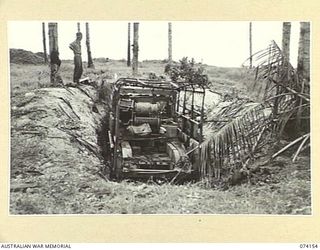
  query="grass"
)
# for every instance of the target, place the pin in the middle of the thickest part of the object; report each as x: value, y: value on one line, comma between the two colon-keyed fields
x: 25, y: 77
x: 290, y: 194
x: 292, y: 197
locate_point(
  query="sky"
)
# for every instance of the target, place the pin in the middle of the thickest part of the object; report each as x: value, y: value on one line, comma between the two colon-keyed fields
x: 218, y: 43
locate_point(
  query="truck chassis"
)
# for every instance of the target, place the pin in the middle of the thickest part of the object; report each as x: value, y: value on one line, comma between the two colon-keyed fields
x: 155, y: 128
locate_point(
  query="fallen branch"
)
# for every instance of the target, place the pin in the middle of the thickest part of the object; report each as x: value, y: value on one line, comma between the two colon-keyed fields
x: 30, y: 132
x: 254, y: 147
x: 70, y: 106
x: 62, y: 109
x: 22, y: 187
x: 19, y: 105
x: 289, y: 145
x: 300, y: 147
x: 25, y: 112
x: 291, y: 90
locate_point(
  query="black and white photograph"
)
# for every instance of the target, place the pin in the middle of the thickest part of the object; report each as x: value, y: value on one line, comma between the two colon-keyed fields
x: 159, y: 117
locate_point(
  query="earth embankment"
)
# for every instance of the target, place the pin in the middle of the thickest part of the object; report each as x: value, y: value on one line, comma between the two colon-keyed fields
x: 55, y: 151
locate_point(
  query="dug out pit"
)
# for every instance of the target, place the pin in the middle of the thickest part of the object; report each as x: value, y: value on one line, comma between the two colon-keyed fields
x: 56, y: 154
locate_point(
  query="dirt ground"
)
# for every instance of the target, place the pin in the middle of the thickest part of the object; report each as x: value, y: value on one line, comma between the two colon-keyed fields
x: 57, y: 161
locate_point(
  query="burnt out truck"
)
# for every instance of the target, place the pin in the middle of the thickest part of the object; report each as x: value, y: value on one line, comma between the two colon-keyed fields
x: 155, y: 128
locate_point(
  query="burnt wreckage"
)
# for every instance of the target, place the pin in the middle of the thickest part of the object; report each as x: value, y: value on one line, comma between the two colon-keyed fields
x: 155, y: 128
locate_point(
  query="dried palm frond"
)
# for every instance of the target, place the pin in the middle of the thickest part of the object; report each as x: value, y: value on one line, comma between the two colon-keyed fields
x: 286, y: 99
x: 288, y: 90
x: 235, y: 142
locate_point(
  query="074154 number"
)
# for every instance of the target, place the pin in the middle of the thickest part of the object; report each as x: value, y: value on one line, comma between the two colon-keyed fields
x: 308, y: 246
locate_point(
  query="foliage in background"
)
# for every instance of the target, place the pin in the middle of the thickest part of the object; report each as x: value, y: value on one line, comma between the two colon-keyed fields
x: 187, y: 71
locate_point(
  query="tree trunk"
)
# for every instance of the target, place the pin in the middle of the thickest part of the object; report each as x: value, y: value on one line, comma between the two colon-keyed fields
x: 303, y: 66
x: 169, y: 43
x: 54, y: 52
x: 90, y: 62
x: 129, y: 47
x: 286, y: 29
x: 303, y: 70
x: 53, y: 37
x: 135, y: 49
x: 250, y: 44
x: 44, y: 43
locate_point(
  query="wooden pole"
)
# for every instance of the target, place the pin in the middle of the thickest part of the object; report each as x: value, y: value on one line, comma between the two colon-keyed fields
x: 90, y: 62
x: 135, y: 48
x: 54, y: 50
x: 169, y: 43
x: 78, y: 25
x: 44, y: 43
x: 129, y: 46
x: 250, y: 43
x: 286, y: 29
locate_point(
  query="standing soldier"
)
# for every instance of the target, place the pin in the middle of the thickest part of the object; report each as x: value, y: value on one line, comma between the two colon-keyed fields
x: 76, y: 48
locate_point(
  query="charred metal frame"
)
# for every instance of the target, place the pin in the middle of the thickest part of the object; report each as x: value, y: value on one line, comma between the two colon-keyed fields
x: 155, y: 87
x: 191, y: 88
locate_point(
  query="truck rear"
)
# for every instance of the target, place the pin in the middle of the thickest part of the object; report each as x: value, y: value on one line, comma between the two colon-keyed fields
x: 154, y: 132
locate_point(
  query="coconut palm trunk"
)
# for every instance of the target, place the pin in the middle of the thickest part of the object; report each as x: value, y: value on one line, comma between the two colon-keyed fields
x: 169, y: 43
x: 286, y: 28
x: 303, y: 70
x: 45, y: 57
x: 90, y: 62
x: 129, y: 46
x: 303, y: 66
x: 250, y: 44
x: 286, y: 32
x: 135, y: 48
x: 54, y: 52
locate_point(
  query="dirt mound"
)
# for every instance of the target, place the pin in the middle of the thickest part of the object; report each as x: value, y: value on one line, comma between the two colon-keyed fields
x: 21, y: 56
x: 55, y: 156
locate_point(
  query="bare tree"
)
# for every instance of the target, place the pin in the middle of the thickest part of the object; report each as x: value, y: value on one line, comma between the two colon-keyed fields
x: 286, y: 28
x: 250, y: 43
x: 169, y: 43
x: 44, y: 43
x: 135, y: 48
x: 286, y: 31
x: 53, y: 36
x: 303, y: 66
x: 55, y: 62
x: 90, y: 62
x: 129, y: 46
